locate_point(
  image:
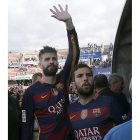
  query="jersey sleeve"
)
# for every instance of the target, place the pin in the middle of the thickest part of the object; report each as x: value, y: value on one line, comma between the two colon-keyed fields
x: 116, y: 112
x: 73, y: 56
x: 27, y: 116
x: 70, y: 126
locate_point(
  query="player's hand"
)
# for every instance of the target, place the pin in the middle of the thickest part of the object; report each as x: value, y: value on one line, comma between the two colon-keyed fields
x: 61, y: 15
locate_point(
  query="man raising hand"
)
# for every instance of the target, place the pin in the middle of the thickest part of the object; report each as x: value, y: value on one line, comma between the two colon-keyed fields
x: 47, y: 100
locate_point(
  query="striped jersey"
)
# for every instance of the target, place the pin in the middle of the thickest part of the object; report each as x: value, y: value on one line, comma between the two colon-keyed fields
x: 48, y: 103
x: 93, y: 120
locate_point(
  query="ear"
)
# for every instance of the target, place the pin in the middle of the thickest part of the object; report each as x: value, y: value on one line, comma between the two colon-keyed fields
x: 39, y: 64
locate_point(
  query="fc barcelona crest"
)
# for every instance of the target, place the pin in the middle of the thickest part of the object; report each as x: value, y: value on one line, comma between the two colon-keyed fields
x: 96, y: 112
x: 84, y: 114
x: 54, y: 91
x: 59, y: 86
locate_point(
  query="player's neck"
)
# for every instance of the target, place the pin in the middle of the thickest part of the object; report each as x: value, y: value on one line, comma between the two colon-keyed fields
x: 49, y: 79
x: 84, y: 100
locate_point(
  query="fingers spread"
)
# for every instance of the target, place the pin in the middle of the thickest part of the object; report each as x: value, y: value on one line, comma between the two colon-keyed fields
x: 66, y: 8
x: 60, y: 7
x: 56, y: 9
x: 54, y: 16
x: 53, y: 11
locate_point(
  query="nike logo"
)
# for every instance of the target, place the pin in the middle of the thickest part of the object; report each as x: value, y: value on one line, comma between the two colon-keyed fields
x: 44, y: 96
x: 72, y: 117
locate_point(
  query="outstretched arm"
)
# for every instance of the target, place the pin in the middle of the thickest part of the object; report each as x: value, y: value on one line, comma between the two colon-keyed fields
x: 63, y: 16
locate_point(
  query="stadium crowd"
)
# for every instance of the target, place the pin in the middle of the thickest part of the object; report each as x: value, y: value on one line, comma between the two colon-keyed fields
x: 45, y: 111
x: 101, y: 64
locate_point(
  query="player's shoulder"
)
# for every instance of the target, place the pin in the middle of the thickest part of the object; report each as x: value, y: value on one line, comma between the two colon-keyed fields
x: 33, y: 87
x: 107, y: 99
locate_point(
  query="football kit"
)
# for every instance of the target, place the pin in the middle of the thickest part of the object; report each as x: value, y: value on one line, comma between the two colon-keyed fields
x: 93, y: 120
x: 48, y: 103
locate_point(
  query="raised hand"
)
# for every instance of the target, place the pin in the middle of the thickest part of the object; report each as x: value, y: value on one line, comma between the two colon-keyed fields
x: 61, y: 15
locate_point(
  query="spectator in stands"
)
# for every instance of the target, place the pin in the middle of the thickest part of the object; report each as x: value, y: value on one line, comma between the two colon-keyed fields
x: 75, y: 97
x: 21, y: 92
x: 116, y: 84
x: 20, y: 67
x: 22, y: 83
x: 111, y: 46
x: 16, y: 94
x: 105, y: 64
x: 70, y: 89
x: 24, y: 70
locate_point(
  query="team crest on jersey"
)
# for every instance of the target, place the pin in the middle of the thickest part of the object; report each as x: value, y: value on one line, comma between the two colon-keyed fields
x: 96, y: 112
x: 54, y: 91
x: 59, y: 86
x: 84, y: 114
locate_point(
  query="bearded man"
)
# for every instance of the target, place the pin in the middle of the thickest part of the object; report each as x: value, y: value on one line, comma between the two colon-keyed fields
x: 47, y: 100
x: 93, y: 115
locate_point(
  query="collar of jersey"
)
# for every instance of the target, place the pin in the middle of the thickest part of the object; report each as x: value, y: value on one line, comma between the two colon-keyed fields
x: 47, y: 83
x: 95, y: 97
x: 41, y: 81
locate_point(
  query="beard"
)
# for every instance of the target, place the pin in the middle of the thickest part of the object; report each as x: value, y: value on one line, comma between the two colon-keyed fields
x: 51, y: 72
x: 85, y: 92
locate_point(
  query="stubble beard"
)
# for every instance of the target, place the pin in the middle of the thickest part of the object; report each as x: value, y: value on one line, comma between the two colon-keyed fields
x: 85, y: 92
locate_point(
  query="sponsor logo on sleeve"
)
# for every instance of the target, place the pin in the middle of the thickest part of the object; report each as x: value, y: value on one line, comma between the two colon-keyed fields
x: 84, y: 114
x: 96, y: 112
x: 23, y: 115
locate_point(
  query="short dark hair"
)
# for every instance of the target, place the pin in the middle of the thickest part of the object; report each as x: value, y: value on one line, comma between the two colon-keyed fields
x: 100, y: 81
x: 47, y: 49
x: 34, y: 77
x: 78, y: 66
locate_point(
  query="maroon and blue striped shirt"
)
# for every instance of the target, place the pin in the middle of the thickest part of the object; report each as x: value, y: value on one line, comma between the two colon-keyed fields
x: 48, y: 103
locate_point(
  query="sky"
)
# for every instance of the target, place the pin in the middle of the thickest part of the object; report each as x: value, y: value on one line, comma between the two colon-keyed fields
x: 30, y: 25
